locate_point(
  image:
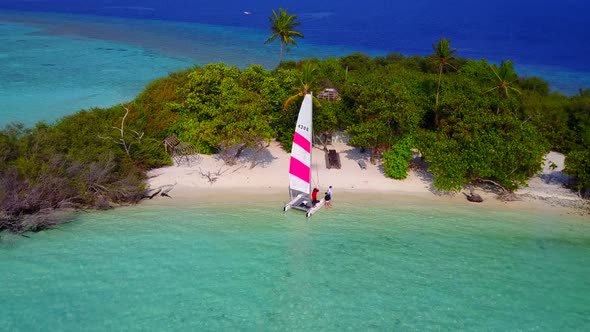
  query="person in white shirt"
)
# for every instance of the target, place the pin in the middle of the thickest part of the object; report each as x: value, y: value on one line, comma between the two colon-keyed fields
x: 328, y: 197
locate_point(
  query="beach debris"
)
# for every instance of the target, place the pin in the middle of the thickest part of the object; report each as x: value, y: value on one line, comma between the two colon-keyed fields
x: 166, y: 189
x: 162, y: 190
x: 210, y: 177
x: 362, y: 164
x: 508, y: 196
x: 151, y: 193
x: 473, y: 197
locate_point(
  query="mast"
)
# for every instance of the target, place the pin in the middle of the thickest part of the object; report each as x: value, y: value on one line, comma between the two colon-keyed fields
x: 310, y: 141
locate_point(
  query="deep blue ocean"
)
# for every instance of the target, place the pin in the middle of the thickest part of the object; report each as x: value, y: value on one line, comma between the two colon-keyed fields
x: 532, y: 32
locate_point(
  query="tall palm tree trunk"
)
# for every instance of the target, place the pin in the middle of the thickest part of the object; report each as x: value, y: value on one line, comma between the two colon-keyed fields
x: 443, y: 56
x: 436, y: 112
x: 440, y: 72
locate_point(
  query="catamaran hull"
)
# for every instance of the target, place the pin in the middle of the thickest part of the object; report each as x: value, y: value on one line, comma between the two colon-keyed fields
x: 316, y: 208
x: 300, y: 202
x: 303, y: 203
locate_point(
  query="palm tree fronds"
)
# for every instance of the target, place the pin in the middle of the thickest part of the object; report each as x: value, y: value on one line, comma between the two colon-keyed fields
x: 282, y: 25
x: 291, y: 99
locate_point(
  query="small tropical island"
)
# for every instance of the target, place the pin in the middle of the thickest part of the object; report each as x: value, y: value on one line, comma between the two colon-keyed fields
x: 469, y: 124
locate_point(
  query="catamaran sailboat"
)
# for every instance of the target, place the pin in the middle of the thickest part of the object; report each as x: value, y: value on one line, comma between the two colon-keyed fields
x: 300, y: 163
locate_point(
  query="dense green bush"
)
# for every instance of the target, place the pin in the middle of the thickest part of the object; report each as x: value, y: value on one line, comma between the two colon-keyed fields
x: 578, y: 164
x: 152, y: 113
x: 396, y: 160
x: 84, y: 160
x: 500, y: 149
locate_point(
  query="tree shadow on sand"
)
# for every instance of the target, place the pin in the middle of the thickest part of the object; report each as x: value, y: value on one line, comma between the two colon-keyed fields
x: 555, y: 178
x: 419, y: 167
x: 359, y: 156
x: 261, y: 157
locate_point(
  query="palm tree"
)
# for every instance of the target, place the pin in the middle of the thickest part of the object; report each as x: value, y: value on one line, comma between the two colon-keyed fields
x: 282, y: 26
x: 504, y: 77
x: 442, y: 57
x: 306, y: 79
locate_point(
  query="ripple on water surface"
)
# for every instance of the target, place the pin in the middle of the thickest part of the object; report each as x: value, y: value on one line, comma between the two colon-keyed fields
x: 225, y: 267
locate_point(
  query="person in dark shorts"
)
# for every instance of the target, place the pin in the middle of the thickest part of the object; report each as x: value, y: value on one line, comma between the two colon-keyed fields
x: 328, y: 197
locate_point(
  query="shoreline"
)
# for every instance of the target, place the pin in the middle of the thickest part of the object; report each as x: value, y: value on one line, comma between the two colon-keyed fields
x: 268, y: 182
x: 276, y: 200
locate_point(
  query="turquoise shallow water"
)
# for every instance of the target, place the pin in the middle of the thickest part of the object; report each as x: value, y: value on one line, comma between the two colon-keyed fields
x: 45, y: 77
x: 400, y: 267
x: 57, y: 64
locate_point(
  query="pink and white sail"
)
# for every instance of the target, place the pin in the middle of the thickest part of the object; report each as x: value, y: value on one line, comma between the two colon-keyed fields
x: 300, y: 164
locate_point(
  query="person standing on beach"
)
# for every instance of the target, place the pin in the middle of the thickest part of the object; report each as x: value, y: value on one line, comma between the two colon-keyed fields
x: 328, y: 197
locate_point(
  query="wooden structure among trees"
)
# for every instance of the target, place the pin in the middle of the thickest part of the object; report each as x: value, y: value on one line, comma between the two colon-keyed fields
x: 180, y: 150
x: 332, y: 159
x: 170, y: 143
x: 330, y: 94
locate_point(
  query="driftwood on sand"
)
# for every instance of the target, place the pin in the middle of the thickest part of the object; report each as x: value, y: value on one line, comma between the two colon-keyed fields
x: 473, y: 197
x: 162, y: 190
x: 151, y: 193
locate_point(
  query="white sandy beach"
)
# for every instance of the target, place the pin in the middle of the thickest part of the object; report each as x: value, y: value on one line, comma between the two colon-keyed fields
x: 268, y: 180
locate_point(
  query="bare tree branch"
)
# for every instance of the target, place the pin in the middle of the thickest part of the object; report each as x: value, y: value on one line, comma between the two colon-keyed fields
x: 211, y: 178
x: 122, y: 141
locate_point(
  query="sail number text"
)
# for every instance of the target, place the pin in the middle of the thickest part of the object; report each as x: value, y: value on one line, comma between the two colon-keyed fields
x: 302, y: 127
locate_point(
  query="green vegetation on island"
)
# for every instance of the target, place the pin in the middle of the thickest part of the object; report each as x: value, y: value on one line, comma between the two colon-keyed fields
x: 471, y: 121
